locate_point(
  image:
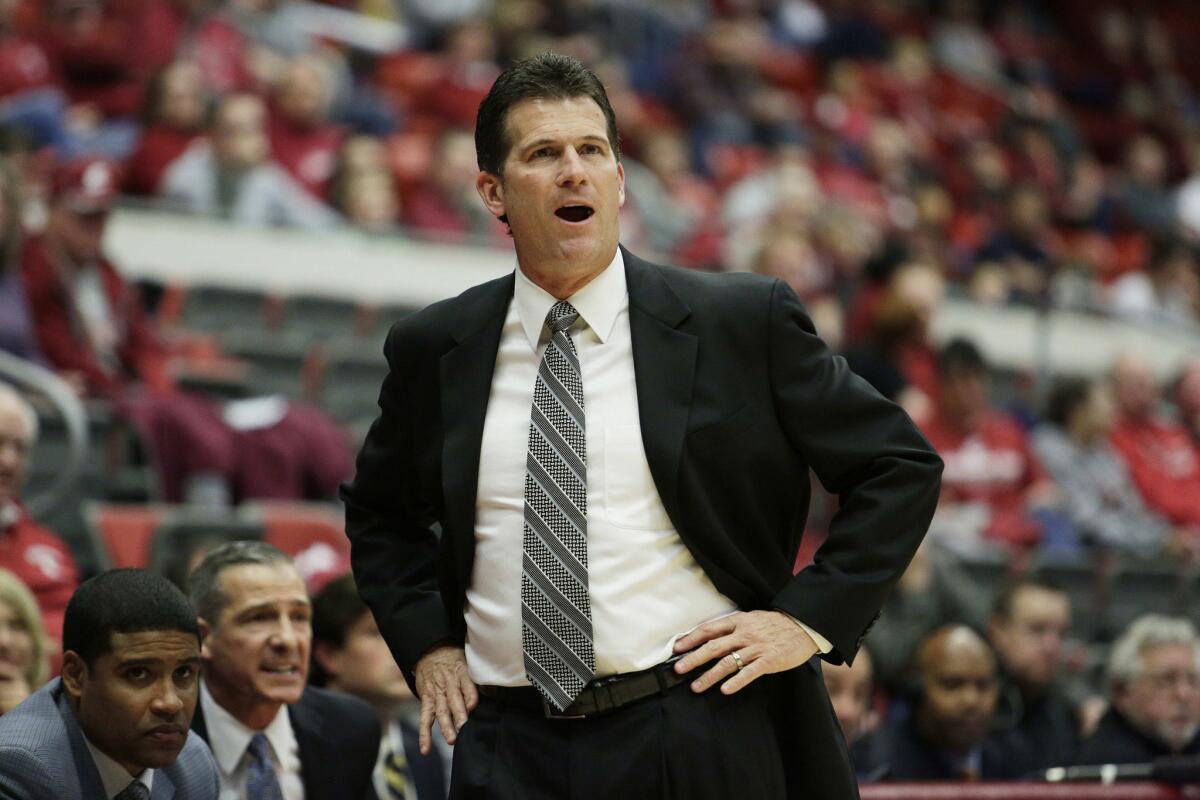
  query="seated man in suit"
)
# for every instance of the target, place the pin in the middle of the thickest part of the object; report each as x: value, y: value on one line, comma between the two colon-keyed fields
x: 115, y: 725
x: 1154, y: 680
x: 256, y: 626
x: 1031, y: 619
x: 945, y: 737
x: 350, y: 655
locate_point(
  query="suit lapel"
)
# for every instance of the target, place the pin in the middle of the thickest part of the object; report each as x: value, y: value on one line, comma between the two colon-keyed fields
x: 90, y: 784
x: 466, y: 384
x: 664, y: 364
x: 318, y: 758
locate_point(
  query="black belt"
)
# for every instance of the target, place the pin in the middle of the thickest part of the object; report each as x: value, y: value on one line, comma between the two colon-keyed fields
x: 599, y: 696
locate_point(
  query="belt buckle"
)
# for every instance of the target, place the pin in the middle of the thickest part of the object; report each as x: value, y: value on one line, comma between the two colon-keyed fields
x: 550, y: 712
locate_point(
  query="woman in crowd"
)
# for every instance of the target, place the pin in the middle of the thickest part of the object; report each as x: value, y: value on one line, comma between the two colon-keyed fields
x: 24, y: 666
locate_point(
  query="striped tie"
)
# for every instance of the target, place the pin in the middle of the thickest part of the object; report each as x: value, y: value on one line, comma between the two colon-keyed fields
x: 261, y: 781
x: 396, y: 773
x: 134, y: 791
x: 556, y: 613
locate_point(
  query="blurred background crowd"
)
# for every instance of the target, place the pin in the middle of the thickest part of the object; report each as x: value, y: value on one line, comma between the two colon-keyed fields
x: 883, y: 157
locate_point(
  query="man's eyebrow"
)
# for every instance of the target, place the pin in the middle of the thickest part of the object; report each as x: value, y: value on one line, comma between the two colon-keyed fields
x: 536, y: 143
x: 150, y: 661
x: 296, y: 601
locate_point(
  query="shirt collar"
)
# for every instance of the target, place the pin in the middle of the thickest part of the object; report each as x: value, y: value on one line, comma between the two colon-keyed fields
x: 229, y: 738
x: 599, y: 302
x: 115, y: 777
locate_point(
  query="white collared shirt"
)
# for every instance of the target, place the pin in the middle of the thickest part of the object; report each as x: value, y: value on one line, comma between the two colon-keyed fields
x: 115, y: 777
x: 645, y: 587
x: 228, y: 738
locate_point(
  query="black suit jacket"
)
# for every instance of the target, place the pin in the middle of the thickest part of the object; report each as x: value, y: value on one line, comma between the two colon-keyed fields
x: 737, y: 398
x: 338, y: 737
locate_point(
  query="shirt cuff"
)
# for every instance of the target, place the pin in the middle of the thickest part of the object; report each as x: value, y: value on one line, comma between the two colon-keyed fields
x: 823, y: 644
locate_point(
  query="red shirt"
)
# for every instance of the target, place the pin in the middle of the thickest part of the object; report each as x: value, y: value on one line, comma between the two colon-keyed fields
x: 1164, y: 464
x: 59, y: 332
x: 43, y: 563
x: 308, y: 154
x: 995, y: 466
x: 24, y: 65
x: 157, y: 150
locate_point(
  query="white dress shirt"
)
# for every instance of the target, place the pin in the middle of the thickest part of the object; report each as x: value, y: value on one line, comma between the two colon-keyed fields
x: 228, y: 738
x: 115, y: 777
x: 646, y: 589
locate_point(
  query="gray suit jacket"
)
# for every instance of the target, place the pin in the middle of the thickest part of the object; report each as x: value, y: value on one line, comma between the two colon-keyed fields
x: 43, y: 755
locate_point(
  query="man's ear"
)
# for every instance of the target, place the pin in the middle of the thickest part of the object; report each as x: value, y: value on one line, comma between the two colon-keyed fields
x: 205, y: 634
x: 620, y: 184
x: 491, y: 191
x: 74, y: 674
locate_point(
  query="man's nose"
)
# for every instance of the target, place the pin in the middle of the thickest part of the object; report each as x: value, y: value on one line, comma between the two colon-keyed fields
x: 571, y: 171
x: 168, y: 702
x: 285, y: 635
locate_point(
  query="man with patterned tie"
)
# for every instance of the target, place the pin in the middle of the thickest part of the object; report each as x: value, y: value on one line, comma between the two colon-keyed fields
x: 115, y: 725
x: 576, y: 515
x: 274, y: 737
x: 349, y: 655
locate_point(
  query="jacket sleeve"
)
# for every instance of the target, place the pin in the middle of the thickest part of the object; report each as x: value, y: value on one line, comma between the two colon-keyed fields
x: 393, y: 547
x: 867, y: 452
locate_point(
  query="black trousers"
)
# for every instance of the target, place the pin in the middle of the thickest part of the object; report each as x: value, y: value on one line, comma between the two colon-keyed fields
x: 674, y: 745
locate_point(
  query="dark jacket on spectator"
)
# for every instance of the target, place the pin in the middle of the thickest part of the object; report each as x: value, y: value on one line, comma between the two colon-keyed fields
x: 1046, y: 727
x: 1117, y: 741
x: 908, y: 757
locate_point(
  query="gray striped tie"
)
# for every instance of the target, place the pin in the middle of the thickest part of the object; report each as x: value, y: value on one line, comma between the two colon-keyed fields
x: 556, y: 613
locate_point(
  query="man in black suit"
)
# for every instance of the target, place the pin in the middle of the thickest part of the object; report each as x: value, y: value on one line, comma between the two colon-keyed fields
x: 255, y: 622
x: 616, y: 455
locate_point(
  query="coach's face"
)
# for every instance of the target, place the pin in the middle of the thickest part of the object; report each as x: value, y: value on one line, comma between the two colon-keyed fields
x: 560, y: 186
x: 256, y: 652
x: 135, y: 703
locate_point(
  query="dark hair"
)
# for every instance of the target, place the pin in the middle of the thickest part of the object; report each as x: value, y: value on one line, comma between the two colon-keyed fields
x: 961, y: 357
x: 123, y: 601
x: 334, y: 610
x: 547, y: 76
x: 1067, y: 395
x: 1007, y: 595
x: 204, y: 586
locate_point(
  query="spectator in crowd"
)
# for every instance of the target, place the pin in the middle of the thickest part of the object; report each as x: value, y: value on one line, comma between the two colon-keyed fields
x: 36, y: 555
x: 119, y: 714
x: 303, y: 140
x: 1144, y: 196
x: 350, y: 655
x: 1016, y: 262
x: 1026, y: 631
x: 17, y: 335
x: 175, y: 116
x: 1154, y: 685
x: 851, y: 691
x: 933, y: 592
x: 1158, y: 452
x: 1167, y: 292
x: 91, y: 327
x: 269, y: 731
x: 445, y: 205
x: 24, y: 650
x: 945, y: 737
x: 1187, y: 398
x: 231, y: 174
x: 1098, y: 494
x: 993, y: 483
x: 895, y: 355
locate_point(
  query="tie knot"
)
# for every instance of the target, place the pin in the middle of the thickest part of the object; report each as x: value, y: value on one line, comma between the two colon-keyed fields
x: 259, y: 747
x: 562, y: 315
x: 134, y: 791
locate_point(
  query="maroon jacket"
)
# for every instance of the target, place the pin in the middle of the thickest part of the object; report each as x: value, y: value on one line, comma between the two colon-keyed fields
x: 60, y: 332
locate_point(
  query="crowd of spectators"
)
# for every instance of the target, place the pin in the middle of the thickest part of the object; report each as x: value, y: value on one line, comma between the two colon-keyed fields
x: 875, y: 155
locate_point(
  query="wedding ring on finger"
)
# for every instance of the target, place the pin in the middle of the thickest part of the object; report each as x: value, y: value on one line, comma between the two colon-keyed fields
x: 737, y: 659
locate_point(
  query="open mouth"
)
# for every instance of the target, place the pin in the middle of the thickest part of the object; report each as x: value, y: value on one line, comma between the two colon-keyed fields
x: 574, y: 213
x: 287, y: 670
